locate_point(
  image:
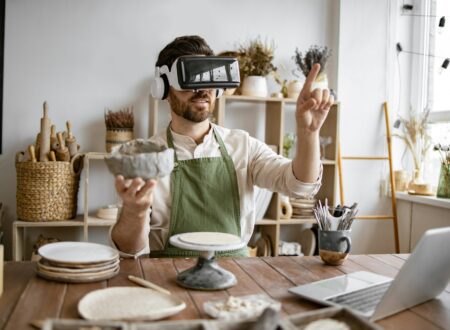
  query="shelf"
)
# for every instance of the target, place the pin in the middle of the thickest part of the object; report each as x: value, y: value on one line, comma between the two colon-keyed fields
x: 97, y: 155
x: 328, y: 162
x: 77, y: 222
x: 297, y: 221
x: 97, y: 222
x: 242, y: 98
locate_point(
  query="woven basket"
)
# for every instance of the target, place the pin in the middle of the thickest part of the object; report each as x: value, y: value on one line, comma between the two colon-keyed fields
x: 118, y: 136
x: 47, y: 191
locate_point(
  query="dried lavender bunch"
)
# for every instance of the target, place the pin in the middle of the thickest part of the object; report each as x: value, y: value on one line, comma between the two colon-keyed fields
x: 444, y: 152
x: 315, y: 54
x: 255, y: 58
x: 119, y: 119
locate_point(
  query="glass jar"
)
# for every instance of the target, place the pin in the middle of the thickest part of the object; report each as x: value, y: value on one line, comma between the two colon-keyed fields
x: 443, y: 189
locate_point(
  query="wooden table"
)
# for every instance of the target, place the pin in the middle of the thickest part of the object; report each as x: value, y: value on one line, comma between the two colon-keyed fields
x: 27, y: 297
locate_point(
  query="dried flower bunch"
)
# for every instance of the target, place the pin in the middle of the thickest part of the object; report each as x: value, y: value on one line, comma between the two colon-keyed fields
x: 315, y: 54
x: 119, y: 119
x: 255, y: 58
x: 444, y: 152
x: 414, y: 132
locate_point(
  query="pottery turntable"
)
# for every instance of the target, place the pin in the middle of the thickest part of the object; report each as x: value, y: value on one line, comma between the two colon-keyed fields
x: 207, y: 274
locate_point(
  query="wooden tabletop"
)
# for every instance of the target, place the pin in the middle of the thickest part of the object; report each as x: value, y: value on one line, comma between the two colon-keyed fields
x: 27, y: 297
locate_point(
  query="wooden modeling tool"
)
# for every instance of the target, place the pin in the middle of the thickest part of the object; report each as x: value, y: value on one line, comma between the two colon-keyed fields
x: 53, y: 139
x: 62, y: 153
x: 70, y: 140
x: 52, y: 156
x: 32, y: 154
x: 45, y: 135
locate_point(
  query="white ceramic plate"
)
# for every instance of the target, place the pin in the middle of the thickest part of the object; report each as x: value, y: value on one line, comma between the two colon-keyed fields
x: 77, y: 252
x: 209, y: 238
x: 202, y: 242
x: 128, y: 303
x: 70, y: 278
x: 43, y: 264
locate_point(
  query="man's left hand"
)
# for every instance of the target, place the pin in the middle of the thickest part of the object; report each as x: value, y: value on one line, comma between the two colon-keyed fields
x: 312, y: 105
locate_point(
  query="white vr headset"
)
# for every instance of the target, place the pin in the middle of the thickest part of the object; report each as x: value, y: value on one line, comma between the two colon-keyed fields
x: 190, y: 73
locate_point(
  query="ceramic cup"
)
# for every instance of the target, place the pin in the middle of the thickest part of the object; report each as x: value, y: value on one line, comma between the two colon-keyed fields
x: 334, y: 246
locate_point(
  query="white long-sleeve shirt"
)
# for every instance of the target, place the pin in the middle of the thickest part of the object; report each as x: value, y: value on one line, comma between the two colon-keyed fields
x: 255, y: 164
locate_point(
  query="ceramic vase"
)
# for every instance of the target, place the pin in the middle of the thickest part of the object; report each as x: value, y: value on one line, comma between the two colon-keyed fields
x: 293, y: 89
x: 254, y: 86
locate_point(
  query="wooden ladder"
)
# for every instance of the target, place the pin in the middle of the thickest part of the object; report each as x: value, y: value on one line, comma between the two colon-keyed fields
x: 393, y: 216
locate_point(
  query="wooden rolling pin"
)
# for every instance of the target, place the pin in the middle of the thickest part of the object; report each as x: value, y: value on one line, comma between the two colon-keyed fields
x: 53, y: 139
x: 52, y: 156
x: 71, y: 142
x: 45, y: 135
x: 62, y: 153
x: 32, y: 154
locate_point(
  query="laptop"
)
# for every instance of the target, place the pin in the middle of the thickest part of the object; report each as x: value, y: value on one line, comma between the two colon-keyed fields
x: 423, y: 276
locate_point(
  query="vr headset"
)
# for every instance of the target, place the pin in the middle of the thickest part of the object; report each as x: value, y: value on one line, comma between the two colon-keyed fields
x: 191, y: 73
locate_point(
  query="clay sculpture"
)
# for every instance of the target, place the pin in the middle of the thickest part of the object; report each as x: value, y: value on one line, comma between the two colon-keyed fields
x: 140, y: 158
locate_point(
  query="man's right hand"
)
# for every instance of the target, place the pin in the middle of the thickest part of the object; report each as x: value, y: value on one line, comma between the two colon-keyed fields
x: 129, y: 233
x: 136, y: 194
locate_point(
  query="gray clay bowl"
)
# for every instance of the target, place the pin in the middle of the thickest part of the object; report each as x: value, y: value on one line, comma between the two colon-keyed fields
x: 140, y: 158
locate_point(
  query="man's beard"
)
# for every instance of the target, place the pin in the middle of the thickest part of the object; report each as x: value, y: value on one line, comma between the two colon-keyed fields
x: 188, y: 111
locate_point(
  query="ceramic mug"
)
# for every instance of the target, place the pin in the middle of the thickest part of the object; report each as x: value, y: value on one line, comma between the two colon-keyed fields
x: 334, y: 246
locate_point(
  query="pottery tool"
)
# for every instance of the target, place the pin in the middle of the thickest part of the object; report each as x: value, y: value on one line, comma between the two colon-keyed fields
x: 341, y: 218
x: 53, y: 139
x: 148, y: 284
x: 62, y: 153
x: 70, y: 140
x: 32, y: 153
x: 45, y: 135
x: 52, y: 156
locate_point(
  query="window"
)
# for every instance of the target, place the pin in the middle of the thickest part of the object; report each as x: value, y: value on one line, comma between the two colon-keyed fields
x: 438, y: 93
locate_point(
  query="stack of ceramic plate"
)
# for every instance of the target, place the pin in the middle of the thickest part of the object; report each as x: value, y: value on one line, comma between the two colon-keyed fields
x: 302, y: 208
x: 77, y: 262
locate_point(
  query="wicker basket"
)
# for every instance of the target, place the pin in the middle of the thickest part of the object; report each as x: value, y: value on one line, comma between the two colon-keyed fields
x: 47, y: 191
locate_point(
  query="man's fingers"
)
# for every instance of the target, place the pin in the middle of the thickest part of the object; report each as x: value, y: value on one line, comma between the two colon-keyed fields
x: 135, y: 186
x: 309, y: 104
x: 149, y: 186
x: 325, y: 98
x: 120, y: 184
x: 317, y: 95
x: 311, y: 78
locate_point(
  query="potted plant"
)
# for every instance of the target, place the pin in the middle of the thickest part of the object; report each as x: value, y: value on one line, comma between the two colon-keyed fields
x: 256, y: 63
x: 305, y: 62
x: 443, y: 189
x: 119, y: 127
x: 413, y: 131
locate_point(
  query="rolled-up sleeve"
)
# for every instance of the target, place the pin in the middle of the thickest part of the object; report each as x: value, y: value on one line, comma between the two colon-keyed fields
x: 145, y: 250
x: 274, y: 172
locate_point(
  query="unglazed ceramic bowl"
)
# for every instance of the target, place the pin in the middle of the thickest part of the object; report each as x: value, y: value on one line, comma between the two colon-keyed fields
x: 140, y: 158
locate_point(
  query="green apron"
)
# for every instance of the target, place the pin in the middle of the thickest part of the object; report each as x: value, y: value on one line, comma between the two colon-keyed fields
x: 205, y: 197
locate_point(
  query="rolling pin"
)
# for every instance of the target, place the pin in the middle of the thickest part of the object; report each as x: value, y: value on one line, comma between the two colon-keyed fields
x: 52, y: 156
x: 70, y: 140
x: 62, y: 153
x: 45, y: 135
x: 32, y: 154
x: 37, y: 145
x: 53, y: 139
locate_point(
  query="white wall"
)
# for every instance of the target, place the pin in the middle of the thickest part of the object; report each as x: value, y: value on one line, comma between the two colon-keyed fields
x: 83, y: 56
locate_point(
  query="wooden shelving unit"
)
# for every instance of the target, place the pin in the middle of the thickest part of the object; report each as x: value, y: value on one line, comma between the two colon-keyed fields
x: 83, y: 221
x: 274, y: 133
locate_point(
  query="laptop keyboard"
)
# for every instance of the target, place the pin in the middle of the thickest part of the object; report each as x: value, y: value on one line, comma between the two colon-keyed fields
x: 364, y: 300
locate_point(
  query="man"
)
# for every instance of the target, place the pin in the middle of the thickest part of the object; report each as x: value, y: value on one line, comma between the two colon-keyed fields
x: 211, y: 187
